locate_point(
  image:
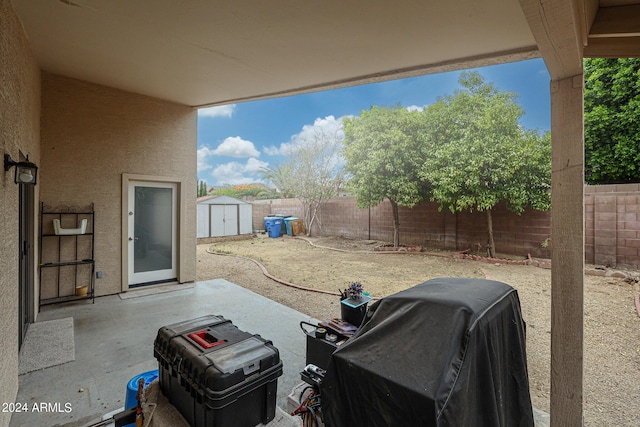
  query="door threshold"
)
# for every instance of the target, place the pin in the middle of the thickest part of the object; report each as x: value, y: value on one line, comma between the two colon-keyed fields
x: 155, y: 289
x: 155, y: 283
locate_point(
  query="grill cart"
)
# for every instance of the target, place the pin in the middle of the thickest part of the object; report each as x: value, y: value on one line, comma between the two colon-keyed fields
x: 447, y: 352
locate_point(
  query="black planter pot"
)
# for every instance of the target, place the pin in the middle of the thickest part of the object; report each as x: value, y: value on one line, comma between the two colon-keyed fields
x: 353, y: 310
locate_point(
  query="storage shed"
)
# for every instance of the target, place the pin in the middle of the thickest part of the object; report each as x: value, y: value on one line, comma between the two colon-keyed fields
x: 223, y: 216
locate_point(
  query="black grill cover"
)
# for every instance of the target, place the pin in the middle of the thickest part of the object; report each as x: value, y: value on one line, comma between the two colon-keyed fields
x: 447, y: 352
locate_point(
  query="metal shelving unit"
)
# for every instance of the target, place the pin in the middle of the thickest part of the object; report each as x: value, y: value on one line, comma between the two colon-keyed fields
x: 66, y: 254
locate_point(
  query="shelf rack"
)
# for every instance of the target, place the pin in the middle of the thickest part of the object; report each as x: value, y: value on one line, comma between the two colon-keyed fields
x: 66, y: 259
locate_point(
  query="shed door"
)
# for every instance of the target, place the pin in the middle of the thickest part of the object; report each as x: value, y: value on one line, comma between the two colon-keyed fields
x: 216, y: 220
x: 224, y: 220
x: 230, y: 220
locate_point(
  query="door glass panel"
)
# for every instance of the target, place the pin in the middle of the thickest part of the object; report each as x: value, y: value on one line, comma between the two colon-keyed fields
x: 153, y: 231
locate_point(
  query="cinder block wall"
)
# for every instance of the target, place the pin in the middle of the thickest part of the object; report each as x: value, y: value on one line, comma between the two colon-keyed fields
x: 263, y: 208
x: 612, y: 225
x: 424, y: 225
x: 19, y: 133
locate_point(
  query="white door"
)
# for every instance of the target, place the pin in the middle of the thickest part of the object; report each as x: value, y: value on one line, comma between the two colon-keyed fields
x: 216, y: 213
x: 224, y: 220
x: 152, y: 232
x: 230, y: 220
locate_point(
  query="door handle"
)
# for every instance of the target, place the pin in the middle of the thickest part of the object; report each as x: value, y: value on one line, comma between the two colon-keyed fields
x: 132, y: 238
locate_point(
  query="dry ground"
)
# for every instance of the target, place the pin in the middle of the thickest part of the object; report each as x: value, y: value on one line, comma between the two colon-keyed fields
x: 612, y: 326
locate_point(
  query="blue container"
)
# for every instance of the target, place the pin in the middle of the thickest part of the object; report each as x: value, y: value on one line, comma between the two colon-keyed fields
x: 272, y: 218
x: 282, y: 217
x: 131, y: 400
x: 274, y: 228
x: 268, y: 222
x: 287, y: 223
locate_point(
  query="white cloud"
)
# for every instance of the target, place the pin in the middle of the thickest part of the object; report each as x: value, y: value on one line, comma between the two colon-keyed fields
x: 284, y: 149
x: 255, y: 166
x: 239, y: 173
x: 271, y: 151
x: 203, y: 155
x: 329, y: 126
x: 419, y: 108
x: 234, y: 146
x: 218, y: 111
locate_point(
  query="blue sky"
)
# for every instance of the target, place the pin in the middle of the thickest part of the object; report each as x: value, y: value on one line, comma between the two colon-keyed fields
x: 235, y: 141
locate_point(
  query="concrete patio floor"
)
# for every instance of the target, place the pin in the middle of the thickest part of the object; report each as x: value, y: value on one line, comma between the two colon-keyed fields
x: 114, y: 342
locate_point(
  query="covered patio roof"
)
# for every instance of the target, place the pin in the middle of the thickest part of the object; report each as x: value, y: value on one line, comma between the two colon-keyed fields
x: 215, y: 52
x: 202, y: 53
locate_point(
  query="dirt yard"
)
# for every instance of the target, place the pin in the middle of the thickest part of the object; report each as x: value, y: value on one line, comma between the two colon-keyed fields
x: 612, y: 326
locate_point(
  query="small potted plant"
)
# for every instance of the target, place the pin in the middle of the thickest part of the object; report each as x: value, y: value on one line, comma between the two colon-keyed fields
x: 354, y: 301
x: 353, y: 291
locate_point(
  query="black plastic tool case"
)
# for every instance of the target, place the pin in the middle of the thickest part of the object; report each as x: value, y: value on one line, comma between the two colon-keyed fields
x: 217, y: 375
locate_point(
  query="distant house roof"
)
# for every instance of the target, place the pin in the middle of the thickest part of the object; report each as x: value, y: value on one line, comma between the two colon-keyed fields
x: 203, y: 198
x: 219, y: 200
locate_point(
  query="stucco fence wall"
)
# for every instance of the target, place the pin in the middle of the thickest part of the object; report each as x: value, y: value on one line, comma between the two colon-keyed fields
x: 612, y: 225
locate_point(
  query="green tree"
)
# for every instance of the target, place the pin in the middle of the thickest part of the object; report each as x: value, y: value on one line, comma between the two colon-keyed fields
x: 481, y: 156
x: 225, y: 190
x: 384, y: 151
x: 268, y: 193
x: 202, y: 188
x: 612, y: 120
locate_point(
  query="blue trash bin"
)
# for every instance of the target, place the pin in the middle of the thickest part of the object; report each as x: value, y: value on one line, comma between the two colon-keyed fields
x: 271, y: 218
x: 282, y: 217
x: 274, y: 228
x: 267, y: 222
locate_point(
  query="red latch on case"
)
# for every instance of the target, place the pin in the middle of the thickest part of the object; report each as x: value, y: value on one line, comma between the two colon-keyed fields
x: 199, y: 338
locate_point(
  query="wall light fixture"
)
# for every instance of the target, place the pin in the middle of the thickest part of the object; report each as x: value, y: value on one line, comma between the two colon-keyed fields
x: 26, y: 172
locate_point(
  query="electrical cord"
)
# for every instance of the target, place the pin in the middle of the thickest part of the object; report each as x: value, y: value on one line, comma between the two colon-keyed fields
x: 302, y: 393
x: 309, y: 408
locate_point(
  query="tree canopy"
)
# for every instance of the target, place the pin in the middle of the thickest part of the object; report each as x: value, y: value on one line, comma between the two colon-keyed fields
x: 481, y: 156
x: 612, y: 120
x: 202, y: 188
x: 466, y: 151
x: 257, y: 191
x: 384, y: 151
x: 313, y: 173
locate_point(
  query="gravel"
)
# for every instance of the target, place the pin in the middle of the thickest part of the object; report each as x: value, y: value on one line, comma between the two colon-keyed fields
x: 611, y: 325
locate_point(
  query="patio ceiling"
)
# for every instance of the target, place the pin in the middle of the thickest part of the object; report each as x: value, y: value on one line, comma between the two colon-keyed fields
x: 216, y: 52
